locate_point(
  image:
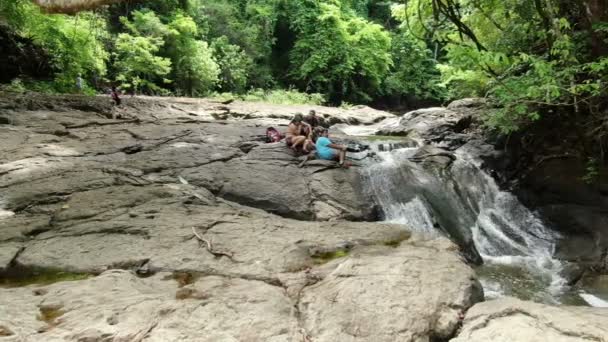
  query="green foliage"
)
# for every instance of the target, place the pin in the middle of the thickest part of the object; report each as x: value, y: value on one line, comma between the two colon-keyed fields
x: 75, y: 43
x: 528, y: 57
x: 137, y: 65
x: 246, y: 24
x: 16, y: 86
x: 14, y: 13
x: 592, y: 173
x: 196, y: 72
x: 338, y: 54
x: 414, y: 71
x: 278, y: 96
x: 158, y: 49
x: 145, y: 23
x: 338, y: 48
x: 286, y: 97
x: 234, y: 64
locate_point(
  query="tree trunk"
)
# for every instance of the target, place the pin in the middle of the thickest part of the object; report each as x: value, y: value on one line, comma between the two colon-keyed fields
x: 597, y: 11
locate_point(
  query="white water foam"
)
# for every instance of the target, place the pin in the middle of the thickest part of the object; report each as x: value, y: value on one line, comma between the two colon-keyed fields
x: 593, y: 300
x: 504, y: 231
x: 367, y: 129
x: 412, y: 213
x: 507, y: 233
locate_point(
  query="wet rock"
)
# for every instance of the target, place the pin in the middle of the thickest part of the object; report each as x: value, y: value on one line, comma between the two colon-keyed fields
x: 511, y: 319
x: 431, y: 156
x: 8, y: 253
x: 430, y: 124
x: 467, y: 103
x: 358, y: 115
x: 572, y: 273
x: 595, y: 283
x: 399, y: 131
x: 575, y: 209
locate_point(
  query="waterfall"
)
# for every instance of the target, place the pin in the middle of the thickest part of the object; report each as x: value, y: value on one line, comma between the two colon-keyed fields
x: 465, y: 204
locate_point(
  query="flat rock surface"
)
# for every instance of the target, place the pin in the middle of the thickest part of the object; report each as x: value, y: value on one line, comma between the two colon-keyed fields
x: 193, y: 229
x: 510, y: 319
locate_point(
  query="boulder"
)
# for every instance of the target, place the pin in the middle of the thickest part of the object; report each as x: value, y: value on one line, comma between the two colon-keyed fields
x: 510, y: 319
x: 8, y: 253
x: 577, y: 210
x: 353, y: 301
x: 225, y: 162
x: 467, y: 103
x: 357, y: 115
x: 435, y: 124
x: 431, y: 156
x: 268, y: 178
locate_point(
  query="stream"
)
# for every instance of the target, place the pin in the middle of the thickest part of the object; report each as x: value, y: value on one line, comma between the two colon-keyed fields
x: 511, y: 244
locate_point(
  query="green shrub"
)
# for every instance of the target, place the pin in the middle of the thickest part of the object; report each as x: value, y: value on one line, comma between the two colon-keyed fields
x: 278, y: 96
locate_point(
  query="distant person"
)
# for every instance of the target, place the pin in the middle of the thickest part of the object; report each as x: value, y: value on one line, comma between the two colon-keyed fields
x: 115, y: 96
x: 313, y: 120
x: 327, y: 150
x: 79, y: 83
x: 299, y: 134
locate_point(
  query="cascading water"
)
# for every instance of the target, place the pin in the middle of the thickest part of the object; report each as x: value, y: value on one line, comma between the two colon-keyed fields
x: 465, y: 203
x: 412, y: 213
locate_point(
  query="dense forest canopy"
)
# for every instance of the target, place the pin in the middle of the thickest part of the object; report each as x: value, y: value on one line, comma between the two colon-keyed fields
x: 529, y: 57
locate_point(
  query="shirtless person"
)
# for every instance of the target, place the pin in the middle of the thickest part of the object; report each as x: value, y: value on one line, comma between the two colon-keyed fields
x: 313, y: 120
x: 299, y: 134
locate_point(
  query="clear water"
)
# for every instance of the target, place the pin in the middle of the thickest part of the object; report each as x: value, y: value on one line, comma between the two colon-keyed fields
x: 516, y: 247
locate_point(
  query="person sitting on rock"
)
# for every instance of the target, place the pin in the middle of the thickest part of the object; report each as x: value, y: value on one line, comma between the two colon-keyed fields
x: 298, y: 134
x: 327, y: 150
x: 313, y: 120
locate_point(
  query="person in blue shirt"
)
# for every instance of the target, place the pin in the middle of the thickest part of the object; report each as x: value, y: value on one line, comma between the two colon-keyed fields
x: 326, y: 149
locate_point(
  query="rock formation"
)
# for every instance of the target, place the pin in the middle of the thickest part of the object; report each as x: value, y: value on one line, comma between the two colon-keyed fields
x: 544, y: 180
x: 174, y: 221
x: 185, y: 228
x: 509, y: 319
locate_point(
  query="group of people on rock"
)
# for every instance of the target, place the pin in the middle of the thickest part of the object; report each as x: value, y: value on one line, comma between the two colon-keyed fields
x: 306, y: 134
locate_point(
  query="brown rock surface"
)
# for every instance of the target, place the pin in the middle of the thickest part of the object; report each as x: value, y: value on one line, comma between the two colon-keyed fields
x: 155, y: 194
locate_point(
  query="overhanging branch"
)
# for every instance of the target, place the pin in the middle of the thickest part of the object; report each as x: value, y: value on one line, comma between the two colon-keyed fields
x: 70, y: 6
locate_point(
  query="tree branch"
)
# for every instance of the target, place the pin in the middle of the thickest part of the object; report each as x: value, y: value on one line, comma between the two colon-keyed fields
x: 209, y: 245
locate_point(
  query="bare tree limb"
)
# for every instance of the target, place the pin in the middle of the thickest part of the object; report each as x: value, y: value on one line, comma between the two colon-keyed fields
x: 209, y: 245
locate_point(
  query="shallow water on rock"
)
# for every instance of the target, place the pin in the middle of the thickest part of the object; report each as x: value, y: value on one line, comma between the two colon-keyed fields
x: 18, y: 277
